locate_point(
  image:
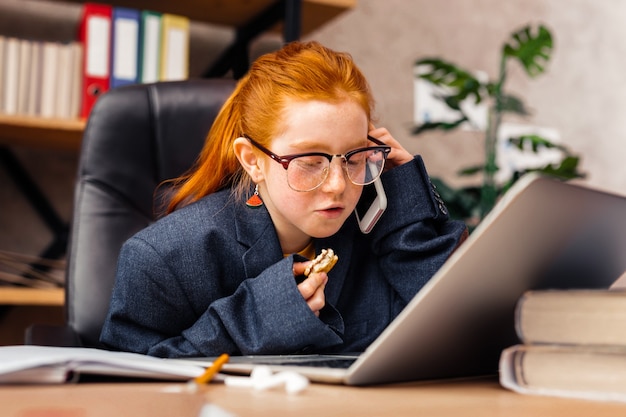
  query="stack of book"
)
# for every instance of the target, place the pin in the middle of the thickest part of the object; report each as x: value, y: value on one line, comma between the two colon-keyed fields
x: 115, y: 46
x: 40, y: 79
x: 573, y: 345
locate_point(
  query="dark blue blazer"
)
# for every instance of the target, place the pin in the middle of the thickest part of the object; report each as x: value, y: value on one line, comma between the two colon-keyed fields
x: 211, y: 278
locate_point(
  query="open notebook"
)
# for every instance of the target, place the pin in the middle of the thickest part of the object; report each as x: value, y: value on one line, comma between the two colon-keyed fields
x: 543, y: 234
x: 26, y: 364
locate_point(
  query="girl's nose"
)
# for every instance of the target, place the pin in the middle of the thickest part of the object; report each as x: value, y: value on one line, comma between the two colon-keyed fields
x: 336, y: 180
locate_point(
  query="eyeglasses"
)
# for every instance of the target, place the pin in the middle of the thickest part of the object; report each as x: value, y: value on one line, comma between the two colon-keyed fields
x: 307, y: 171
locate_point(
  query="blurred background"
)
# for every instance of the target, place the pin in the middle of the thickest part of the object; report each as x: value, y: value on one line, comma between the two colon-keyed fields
x: 581, y: 98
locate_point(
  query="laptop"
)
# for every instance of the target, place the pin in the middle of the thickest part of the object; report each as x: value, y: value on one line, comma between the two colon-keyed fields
x: 543, y: 233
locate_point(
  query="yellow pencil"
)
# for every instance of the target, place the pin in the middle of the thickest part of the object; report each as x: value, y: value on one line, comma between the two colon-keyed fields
x: 212, y: 370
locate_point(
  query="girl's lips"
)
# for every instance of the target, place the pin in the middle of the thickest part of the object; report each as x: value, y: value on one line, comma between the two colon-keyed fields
x: 332, y: 212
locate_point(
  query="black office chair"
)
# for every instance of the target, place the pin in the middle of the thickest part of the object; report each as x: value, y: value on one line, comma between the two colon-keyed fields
x: 136, y: 137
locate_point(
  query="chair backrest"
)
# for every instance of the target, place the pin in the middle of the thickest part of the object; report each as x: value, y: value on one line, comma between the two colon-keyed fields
x: 135, y: 138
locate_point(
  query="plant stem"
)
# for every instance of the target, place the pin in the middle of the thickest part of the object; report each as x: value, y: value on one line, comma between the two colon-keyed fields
x: 489, y: 191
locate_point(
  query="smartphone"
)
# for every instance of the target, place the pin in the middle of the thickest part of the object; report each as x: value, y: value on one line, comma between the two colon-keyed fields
x: 371, y: 206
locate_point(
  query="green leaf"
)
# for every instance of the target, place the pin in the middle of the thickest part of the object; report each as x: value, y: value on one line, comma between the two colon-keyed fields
x: 452, y: 102
x: 442, y: 73
x: 471, y: 170
x: 533, y: 50
x: 535, y: 142
x: 513, y: 104
x: 566, y: 170
x: 438, y: 125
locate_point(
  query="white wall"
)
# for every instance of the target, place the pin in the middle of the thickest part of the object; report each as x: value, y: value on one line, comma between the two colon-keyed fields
x: 582, y: 95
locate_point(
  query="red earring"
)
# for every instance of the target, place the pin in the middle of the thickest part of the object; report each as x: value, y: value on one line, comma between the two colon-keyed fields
x: 255, y: 200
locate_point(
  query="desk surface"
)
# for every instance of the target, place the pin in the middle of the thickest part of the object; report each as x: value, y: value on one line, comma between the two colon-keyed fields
x: 483, y: 398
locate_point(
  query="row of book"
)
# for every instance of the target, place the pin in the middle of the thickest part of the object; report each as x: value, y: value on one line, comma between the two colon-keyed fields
x: 572, y: 344
x: 115, y: 46
x: 40, y: 79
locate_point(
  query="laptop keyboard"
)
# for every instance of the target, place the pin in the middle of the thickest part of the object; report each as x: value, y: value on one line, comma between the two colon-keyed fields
x: 318, y: 361
x: 338, y: 363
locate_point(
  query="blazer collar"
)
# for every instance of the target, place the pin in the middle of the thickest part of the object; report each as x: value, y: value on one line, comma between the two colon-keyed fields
x: 255, y: 230
x: 342, y: 245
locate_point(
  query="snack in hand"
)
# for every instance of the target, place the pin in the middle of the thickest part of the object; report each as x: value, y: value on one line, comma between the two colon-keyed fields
x: 323, y: 263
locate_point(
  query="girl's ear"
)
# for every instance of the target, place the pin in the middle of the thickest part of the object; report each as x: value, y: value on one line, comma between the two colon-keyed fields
x: 245, y: 153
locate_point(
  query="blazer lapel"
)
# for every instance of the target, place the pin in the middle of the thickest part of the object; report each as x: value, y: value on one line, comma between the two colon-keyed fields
x: 255, y: 230
x: 337, y: 276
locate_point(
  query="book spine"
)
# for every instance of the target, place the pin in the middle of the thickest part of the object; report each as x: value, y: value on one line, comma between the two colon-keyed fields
x: 124, y: 46
x: 95, y: 34
x: 115, y: 46
x: 3, y: 63
x: 25, y: 47
x: 34, y: 79
x: 175, y: 48
x: 49, y: 80
x: 11, y: 75
x: 150, y: 45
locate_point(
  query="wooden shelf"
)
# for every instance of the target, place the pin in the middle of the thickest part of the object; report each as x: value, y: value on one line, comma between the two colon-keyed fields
x: 32, y: 296
x: 66, y: 135
x: 238, y: 12
x: 35, y: 132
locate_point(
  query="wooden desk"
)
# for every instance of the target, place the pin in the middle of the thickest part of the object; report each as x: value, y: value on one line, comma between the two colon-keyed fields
x: 468, y: 398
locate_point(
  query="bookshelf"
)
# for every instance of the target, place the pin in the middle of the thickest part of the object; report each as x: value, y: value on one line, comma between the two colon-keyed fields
x: 67, y: 134
x: 250, y: 18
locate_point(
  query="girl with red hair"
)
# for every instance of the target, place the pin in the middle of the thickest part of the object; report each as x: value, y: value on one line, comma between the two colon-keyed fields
x: 278, y: 179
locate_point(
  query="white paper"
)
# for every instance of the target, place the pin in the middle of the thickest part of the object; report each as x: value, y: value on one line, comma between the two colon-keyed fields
x: 44, y: 364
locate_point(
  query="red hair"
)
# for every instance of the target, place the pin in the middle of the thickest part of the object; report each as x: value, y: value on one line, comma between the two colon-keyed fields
x: 297, y: 72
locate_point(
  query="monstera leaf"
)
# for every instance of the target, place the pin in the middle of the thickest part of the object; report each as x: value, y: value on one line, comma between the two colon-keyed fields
x: 459, y: 83
x: 533, y: 50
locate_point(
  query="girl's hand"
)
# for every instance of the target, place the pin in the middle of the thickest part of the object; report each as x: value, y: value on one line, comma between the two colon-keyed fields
x: 398, y: 154
x: 312, y: 288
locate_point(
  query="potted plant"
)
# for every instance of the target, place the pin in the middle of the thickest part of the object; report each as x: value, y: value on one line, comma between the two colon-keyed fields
x: 532, y: 49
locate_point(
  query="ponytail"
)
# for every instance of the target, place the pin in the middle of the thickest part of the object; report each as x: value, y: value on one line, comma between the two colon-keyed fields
x: 217, y: 166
